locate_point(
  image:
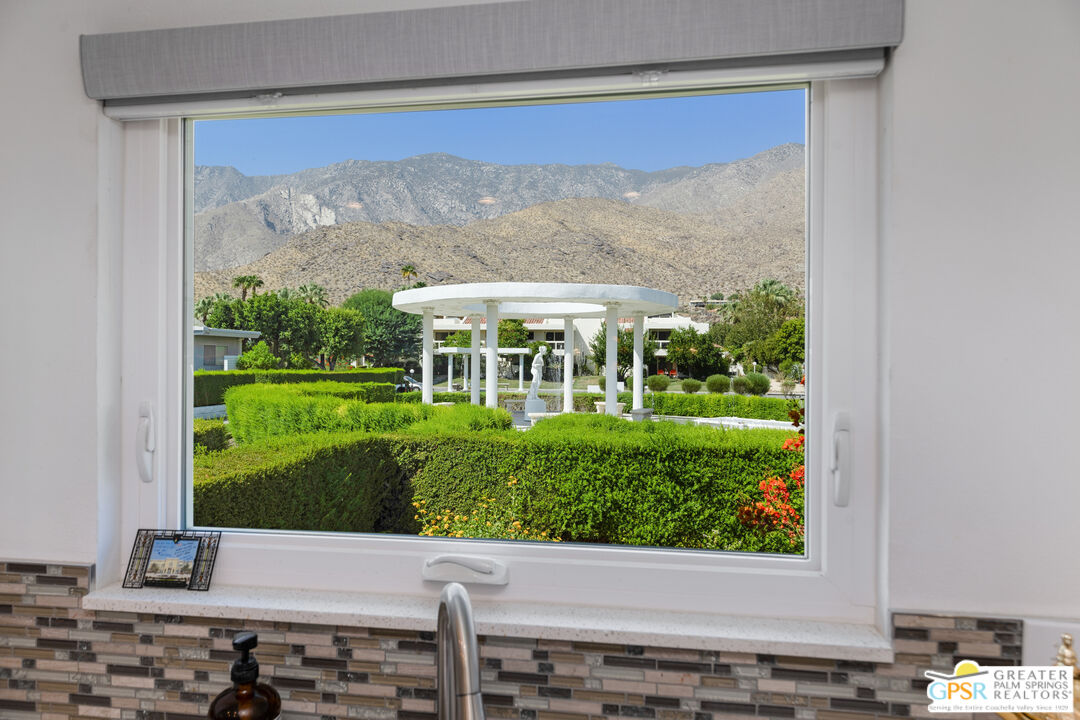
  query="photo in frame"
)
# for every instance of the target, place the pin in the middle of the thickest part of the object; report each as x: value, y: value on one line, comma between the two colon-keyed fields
x: 181, y: 559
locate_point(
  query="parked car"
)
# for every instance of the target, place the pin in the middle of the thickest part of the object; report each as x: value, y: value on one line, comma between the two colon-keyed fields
x: 408, y: 384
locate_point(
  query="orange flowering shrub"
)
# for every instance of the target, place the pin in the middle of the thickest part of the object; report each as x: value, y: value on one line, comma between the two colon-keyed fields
x: 780, y: 511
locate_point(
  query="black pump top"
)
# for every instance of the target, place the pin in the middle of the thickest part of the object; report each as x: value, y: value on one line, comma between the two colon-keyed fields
x: 245, y: 669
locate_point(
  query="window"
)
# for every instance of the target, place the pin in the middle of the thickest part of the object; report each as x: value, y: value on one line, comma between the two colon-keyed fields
x: 307, y: 231
x: 835, y: 579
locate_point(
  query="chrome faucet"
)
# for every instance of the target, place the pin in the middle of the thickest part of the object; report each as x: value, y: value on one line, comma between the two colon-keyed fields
x: 458, y: 657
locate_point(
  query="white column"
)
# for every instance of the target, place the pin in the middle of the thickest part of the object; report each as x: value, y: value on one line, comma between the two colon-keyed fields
x: 639, y: 361
x: 474, y: 392
x: 611, y: 373
x: 465, y: 361
x: 568, y: 365
x: 450, y: 372
x: 428, y: 368
x: 491, y: 394
x: 521, y: 372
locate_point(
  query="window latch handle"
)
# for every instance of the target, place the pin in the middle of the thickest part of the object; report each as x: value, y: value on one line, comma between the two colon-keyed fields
x: 465, y: 568
x: 145, y: 442
x: 840, y: 462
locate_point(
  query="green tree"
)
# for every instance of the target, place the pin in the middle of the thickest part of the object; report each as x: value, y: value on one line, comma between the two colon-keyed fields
x: 245, y: 283
x: 203, y: 308
x: 390, y: 336
x: 313, y: 294
x: 751, y: 317
x: 300, y: 329
x: 408, y: 272
x: 696, y: 353
x: 625, y: 357
x: 461, y: 338
x: 225, y: 313
x: 788, y: 343
x: 265, y: 314
x: 512, y: 334
x: 257, y: 358
x: 341, y: 336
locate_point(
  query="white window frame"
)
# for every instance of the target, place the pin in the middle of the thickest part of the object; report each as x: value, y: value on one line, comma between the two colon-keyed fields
x: 839, y: 580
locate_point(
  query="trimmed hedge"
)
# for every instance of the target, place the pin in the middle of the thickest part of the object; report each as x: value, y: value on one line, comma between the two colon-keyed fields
x: 712, y: 405
x: 210, y: 385
x: 211, y: 435
x: 718, y: 405
x: 585, y: 478
x: 261, y: 411
x: 583, y: 402
x: 346, y: 482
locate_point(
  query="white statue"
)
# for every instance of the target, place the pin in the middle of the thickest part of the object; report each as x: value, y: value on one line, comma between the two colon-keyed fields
x: 537, y: 373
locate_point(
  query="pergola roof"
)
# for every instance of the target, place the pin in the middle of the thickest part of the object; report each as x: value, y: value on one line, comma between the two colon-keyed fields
x: 525, y: 300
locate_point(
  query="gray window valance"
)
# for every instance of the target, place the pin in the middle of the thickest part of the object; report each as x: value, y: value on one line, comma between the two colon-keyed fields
x: 503, y: 40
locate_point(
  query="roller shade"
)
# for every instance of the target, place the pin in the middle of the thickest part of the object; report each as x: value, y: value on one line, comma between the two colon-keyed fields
x: 531, y: 39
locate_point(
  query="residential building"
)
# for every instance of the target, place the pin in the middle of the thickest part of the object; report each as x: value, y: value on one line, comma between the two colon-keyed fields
x: 217, y: 348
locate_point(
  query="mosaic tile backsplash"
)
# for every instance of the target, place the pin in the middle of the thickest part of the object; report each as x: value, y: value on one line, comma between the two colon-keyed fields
x: 58, y: 661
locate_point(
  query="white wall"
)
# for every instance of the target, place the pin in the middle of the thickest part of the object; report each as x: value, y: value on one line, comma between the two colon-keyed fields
x: 980, y: 243
x: 981, y: 121
x: 59, y: 259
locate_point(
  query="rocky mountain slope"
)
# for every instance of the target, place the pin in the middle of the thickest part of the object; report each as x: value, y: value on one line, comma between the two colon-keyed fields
x: 240, y: 219
x: 756, y: 235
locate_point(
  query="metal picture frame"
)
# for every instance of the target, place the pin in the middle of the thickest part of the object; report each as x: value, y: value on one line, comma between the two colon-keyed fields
x: 181, y: 559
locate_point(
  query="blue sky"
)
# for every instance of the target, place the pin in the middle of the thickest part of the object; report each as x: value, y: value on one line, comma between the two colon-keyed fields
x: 640, y: 134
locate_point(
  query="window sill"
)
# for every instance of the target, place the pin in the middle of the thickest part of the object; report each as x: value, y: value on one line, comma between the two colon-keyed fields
x: 696, y: 631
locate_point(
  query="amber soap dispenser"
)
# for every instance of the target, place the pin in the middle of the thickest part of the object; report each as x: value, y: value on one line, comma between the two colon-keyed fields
x: 247, y: 699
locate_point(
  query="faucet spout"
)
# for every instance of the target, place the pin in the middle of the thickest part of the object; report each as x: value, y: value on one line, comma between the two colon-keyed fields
x: 458, y: 657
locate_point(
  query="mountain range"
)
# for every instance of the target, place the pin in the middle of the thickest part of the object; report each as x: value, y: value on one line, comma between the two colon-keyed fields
x: 352, y: 225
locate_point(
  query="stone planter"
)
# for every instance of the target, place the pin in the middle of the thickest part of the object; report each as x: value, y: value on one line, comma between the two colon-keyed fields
x: 601, y: 407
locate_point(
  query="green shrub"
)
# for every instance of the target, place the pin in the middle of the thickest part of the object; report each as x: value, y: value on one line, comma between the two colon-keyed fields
x: 719, y: 405
x: 689, y: 385
x: 210, y: 385
x: 583, y: 402
x: 211, y: 435
x: 297, y: 361
x: 757, y: 383
x: 603, y: 383
x: 740, y: 384
x: 658, y: 383
x: 717, y: 383
x: 365, y: 392
x: 582, y: 478
x: 261, y: 411
x: 257, y: 358
x: 347, y: 482
x: 462, y: 419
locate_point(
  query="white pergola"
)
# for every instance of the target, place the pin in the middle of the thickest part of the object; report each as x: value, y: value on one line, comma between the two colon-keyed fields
x: 530, y: 300
x: 452, y: 351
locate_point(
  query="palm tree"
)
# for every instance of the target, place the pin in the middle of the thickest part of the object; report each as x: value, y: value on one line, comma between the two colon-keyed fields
x: 775, y: 290
x: 203, y: 308
x: 313, y: 294
x: 286, y: 293
x: 245, y: 283
x: 408, y: 272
